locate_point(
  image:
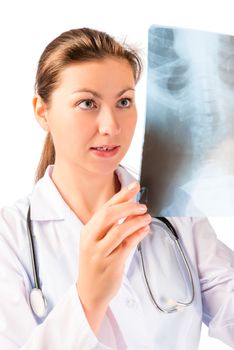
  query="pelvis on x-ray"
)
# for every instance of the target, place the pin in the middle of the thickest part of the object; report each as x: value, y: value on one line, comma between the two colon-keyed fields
x: 188, y: 154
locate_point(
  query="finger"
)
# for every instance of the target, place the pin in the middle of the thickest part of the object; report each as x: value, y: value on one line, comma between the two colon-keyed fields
x: 124, y: 249
x: 132, y: 241
x: 125, y: 194
x: 107, y: 217
x: 118, y: 233
x: 124, y: 212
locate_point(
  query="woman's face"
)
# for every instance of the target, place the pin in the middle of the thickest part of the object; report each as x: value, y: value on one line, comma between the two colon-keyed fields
x: 93, y: 107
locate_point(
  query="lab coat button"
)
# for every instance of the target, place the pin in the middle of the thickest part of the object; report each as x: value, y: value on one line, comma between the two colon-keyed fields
x: 131, y: 303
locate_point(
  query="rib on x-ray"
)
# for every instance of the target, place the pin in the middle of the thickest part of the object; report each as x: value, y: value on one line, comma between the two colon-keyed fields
x: 188, y: 164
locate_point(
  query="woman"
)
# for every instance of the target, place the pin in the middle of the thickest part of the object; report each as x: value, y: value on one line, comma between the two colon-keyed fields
x: 86, y: 223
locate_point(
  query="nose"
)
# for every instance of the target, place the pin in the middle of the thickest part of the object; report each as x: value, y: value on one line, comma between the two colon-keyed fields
x: 108, y: 123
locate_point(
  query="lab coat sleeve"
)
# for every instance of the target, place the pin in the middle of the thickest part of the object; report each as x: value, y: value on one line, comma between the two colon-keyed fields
x: 65, y: 328
x: 216, y: 272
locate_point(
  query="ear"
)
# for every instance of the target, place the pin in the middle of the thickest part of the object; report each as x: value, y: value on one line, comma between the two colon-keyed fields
x: 40, y: 112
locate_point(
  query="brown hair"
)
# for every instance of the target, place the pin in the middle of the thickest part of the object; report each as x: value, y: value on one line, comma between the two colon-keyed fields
x: 76, y: 45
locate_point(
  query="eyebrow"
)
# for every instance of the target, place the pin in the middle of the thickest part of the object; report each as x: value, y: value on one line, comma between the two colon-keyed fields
x: 96, y: 94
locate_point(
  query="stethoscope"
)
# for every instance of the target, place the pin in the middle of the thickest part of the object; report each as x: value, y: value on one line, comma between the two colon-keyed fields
x: 172, y: 304
x: 38, y: 301
x: 36, y: 297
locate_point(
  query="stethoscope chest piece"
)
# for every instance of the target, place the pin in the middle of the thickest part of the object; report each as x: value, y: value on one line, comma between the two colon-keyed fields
x: 38, y: 302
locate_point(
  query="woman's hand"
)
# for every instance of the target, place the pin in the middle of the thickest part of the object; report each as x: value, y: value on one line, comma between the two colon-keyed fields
x: 104, y: 248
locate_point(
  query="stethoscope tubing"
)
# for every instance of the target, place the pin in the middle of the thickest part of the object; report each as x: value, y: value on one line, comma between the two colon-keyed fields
x: 173, y: 235
x: 32, y: 251
x: 37, y: 297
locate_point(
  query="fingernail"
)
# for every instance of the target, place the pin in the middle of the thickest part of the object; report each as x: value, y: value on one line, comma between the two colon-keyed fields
x: 148, y: 218
x: 132, y: 186
x: 146, y: 229
x: 142, y: 208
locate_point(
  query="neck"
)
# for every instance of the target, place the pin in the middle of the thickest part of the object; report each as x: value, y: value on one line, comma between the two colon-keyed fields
x: 84, y: 192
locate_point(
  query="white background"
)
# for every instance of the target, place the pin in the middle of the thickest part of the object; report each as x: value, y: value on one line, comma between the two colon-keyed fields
x: 26, y: 27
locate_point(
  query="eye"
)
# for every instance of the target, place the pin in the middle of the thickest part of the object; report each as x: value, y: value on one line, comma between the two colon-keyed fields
x: 86, y: 104
x: 124, y: 102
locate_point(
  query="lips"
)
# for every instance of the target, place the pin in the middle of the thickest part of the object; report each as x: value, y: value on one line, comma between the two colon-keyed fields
x: 105, y: 147
x: 105, y: 151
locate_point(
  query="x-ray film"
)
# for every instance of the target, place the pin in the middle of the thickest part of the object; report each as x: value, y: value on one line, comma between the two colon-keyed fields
x: 188, y: 164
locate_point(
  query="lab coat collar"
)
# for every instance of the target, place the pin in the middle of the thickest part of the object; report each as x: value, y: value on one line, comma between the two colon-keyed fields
x: 47, y: 203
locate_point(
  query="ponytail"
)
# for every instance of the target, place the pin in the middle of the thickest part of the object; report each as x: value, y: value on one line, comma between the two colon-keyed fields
x: 47, y: 157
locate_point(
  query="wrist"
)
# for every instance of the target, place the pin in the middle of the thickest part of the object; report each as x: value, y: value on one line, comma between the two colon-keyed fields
x: 94, y: 311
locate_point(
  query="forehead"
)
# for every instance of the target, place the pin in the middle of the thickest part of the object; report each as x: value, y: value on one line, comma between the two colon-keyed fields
x: 108, y: 72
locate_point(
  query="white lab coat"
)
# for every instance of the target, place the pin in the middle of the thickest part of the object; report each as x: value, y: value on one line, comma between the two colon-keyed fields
x: 131, y: 322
